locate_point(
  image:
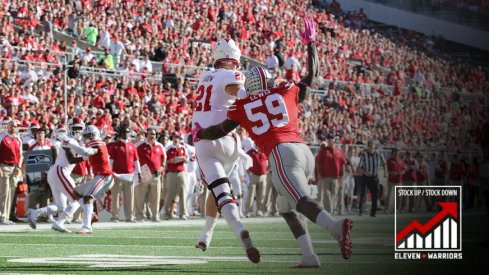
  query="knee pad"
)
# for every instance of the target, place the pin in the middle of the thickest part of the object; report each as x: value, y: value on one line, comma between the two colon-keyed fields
x: 221, y: 190
x: 309, y: 208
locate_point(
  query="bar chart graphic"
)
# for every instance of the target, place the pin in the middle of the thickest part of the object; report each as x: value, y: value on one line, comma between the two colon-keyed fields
x: 441, y: 233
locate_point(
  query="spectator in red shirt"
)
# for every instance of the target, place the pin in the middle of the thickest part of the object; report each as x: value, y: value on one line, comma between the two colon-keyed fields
x: 258, y: 178
x: 395, y: 170
x: 441, y: 169
x: 176, y: 177
x: 124, y: 159
x: 151, y: 154
x: 329, y: 168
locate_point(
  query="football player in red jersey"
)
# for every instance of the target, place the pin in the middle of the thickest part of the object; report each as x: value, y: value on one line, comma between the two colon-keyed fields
x: 98, y: 158
x: 269, y: 115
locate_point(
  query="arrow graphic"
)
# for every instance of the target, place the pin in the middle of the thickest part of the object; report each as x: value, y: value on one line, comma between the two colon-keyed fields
x: 447, y: 208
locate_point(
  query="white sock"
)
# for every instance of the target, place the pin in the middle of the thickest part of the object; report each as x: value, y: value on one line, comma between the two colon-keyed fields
x: 325, y: 220
x: 230, y: 213
x: 305, y: 245
x: 206, y: 235
x: 68, y: 213
x: 88, y: 212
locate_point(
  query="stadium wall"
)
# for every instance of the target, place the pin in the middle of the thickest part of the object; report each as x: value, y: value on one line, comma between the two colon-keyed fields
x: 420, y: 23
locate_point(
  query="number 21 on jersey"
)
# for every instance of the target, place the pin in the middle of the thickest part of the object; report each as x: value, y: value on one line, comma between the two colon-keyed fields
x: 203, y: 99
x: 276, y: 113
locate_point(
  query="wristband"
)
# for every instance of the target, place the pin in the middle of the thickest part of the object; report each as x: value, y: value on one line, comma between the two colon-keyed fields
x: 241, y: 93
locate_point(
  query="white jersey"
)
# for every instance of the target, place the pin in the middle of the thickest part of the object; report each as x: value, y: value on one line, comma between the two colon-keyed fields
x: 62, y: 159
x: 212, y: 102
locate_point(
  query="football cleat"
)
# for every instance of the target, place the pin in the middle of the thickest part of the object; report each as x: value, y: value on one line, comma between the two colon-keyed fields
x: 309, y: 262
x: 345, y: 240
x: 201, y: 245
x: 251, y: 251
x: 85, y: 230
x: 32, y: 218
x: 59, y: 228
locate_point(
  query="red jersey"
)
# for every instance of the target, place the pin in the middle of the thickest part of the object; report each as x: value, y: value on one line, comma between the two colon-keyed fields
x: 260, y: 162
x: 329, y: 162
x: 100, y: 161
x: 396, y: 166
x: 80, y: 169
x: 269, y: 117
x: 173, y: 152
x: 153, y: 156
x: 10, y: 148
x: 123, y: 154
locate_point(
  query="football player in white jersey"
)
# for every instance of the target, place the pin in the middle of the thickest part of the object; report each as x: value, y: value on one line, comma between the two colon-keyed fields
x: 61, y: 183
x: 217, y: 90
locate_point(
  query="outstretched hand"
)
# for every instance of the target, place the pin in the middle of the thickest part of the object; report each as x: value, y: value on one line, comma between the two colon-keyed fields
x: 309, y: 34
x: 195, y: 131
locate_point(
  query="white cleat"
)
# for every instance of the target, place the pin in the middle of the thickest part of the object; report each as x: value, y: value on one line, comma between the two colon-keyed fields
x: 32, y: 218
x: 85, y: 230
x: 59, y: 228
x: 309, y: 262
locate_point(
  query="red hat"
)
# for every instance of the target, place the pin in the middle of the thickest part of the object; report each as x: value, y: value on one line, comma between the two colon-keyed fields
x: 88, y: 49
x: 176, y: 134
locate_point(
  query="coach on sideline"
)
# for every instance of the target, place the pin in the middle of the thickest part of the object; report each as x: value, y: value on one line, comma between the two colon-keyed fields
x: 369, y: 165
x: 152, y: 154
x: 10, y: 167
x: 176, y: 178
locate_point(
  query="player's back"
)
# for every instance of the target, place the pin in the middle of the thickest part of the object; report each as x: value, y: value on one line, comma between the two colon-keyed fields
x: 100, y: 161
x: 61, y: 158
x: 269, y: 117
x: 212, y: 101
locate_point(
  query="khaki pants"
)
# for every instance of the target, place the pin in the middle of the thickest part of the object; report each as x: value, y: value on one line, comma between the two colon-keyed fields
x: 78, y: 180
x: 389, y: 200
x: 38, y: 197
x: 148, y: 192
x: 270, y: 199
x: 176, y: 186
x: 127, y: 189
x: 8, y: 184
x: 256, y: 188
x: 327, y: 192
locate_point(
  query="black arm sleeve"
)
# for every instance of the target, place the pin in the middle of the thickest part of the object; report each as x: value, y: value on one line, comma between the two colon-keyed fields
x: 217, y: 131
x: 312, y: 70
x: 71, y: 156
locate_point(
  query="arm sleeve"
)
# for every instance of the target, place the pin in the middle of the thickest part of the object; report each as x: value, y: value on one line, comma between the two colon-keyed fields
x: 85, y: 152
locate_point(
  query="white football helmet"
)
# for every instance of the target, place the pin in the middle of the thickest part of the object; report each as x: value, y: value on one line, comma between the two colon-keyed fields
x: 59, y: 132
x: 258, y: 79
x: 226, y: 51
x: 76, y: 126
x: 91, y: 132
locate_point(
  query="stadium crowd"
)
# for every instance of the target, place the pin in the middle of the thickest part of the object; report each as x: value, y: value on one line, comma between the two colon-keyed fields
x: 378, y: 84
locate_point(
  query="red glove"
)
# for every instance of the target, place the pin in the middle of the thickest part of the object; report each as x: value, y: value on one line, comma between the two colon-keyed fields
x: 195, y: 131
x: 309, y: 34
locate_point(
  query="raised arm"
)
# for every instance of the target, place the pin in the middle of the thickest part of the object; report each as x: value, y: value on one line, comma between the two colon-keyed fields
x: 309, y: 38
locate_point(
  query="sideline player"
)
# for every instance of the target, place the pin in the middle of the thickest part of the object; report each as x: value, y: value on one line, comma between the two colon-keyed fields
x: 217, y: 90
x: 270, y: 117
x: 98, y: 159
x: 60, y: 180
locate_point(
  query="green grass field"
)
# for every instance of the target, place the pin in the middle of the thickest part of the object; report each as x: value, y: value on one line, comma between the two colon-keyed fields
x: 168, y: 247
